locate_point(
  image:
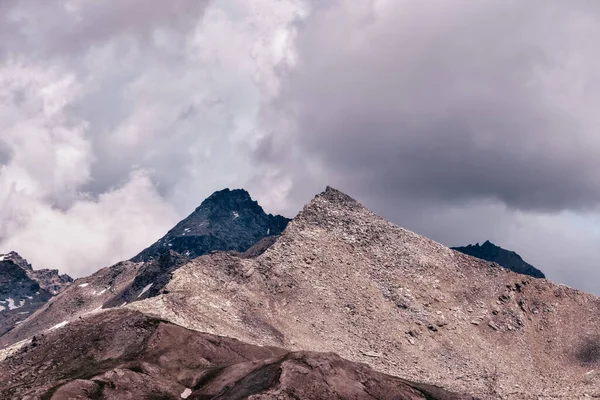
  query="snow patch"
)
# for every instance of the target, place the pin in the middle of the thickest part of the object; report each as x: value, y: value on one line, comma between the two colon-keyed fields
x: 84, y: 285
x: 186, y: 230
x: 236, y: 215
x: 268, y: 231
x: 12, y: 305
x: 186, y: 393
x: 58, y: 326
x: 103, y: 291
x: 2, y: 257
x: 145, y: 289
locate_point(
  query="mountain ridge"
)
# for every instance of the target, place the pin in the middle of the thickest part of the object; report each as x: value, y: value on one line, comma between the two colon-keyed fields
x: 506, y: 258
x: 228, y: 220
x: 24, y: 290
x: 342, y: 279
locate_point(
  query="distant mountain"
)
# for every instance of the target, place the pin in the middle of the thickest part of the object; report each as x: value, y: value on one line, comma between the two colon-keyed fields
x: 228, y: 220
x: 23, y: 290
x: 506, y: 258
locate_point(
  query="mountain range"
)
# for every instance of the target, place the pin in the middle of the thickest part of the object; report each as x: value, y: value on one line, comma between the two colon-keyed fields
x: 336, y: 303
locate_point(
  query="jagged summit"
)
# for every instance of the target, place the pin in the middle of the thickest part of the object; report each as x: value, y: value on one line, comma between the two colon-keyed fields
x: 17, y: 259
x: 23, y: 290
x: 226, y: 220
x: 506, y: 258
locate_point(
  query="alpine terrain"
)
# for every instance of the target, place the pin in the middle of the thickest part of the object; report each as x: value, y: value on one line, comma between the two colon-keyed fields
x: 506, y: 258
x: 23, y: 289
x: 341, y: 304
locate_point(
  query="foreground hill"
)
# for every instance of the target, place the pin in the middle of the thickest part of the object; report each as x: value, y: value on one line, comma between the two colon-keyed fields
x: 342, y: 279
x: 506, y: 258
x: 122, y: 354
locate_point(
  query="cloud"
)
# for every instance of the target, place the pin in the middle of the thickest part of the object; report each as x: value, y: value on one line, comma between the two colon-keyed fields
x: 101, y: 102
x: 462, y: 121
x: 91, y: 233
x: 450, y: 100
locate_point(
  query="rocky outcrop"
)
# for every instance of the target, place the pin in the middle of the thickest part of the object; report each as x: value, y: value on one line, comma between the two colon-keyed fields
x: 227, y: 220
x: 506, y: 258
x: 24, y: 290
x: 123, y: 354
x: 48, y: 279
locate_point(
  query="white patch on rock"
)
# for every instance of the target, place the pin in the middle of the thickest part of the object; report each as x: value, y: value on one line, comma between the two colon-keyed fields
x: 58, y: 326
x: 186, y: 393
x: 103, y: 291
x: 12, y: 304
x: 145, y: 289
x: 83, y: 284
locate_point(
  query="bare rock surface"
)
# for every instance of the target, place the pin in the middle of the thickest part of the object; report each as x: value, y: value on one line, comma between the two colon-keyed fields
x: 342, y: 279
x: 228, y: 220
x: 506, y: 258
x: 84, y: 296
x: 24, y: 290
x: 121, y: 354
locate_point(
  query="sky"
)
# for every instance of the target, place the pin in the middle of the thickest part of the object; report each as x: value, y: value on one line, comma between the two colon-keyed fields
x: 463, y: 121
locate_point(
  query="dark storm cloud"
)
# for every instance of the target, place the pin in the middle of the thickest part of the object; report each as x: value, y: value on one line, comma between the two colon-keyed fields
x: 450, y: 101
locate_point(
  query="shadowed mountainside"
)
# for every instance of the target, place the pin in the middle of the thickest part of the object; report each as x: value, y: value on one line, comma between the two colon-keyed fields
x: 506, y: 258
x: 227, y: 220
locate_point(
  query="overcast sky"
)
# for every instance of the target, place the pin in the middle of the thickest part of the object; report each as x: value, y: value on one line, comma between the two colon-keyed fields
x: 461, y: 120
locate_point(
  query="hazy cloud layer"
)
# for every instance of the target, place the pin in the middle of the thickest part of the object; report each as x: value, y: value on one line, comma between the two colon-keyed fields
x: 461, y: 120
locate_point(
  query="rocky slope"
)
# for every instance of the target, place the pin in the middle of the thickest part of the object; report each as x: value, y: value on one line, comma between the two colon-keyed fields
x: 126, y: 355
x: 24, y: 290
x: 343, y: 279
x: 48, y: 279
x: 506, y: 258
x: 227, y: 220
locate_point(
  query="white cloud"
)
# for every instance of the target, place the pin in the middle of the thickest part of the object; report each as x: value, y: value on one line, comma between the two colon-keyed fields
x: 117, y: 118
x: 91, y: 233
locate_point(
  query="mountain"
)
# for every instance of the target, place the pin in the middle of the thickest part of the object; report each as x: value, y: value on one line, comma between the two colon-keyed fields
x: 24, y: 290
x: 339, y: 279
x: 121, y: 354
x: 506, y: 258
x: 227, y: 220
x: 48, y: 279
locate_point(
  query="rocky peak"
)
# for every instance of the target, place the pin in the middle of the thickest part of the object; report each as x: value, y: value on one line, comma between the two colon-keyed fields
x: 506, y: 258
x: 228, y: 220
x: 17, y: 260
